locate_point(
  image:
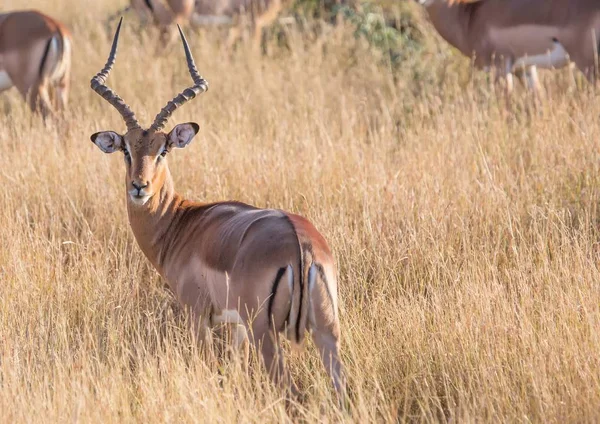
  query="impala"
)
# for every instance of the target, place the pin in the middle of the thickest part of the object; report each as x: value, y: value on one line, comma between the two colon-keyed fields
x: 261, y: 14
x: 162, y: 13
x: 174, y: 11
x: 516, y: 36
x: 35, y: 57
x: 262, y: 271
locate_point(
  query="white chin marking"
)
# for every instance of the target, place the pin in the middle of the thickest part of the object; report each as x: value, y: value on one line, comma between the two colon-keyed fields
x: 140, y: 201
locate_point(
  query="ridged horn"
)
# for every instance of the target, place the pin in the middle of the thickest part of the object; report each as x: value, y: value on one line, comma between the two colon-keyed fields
x: 107, y: 94
x: 200, y: 86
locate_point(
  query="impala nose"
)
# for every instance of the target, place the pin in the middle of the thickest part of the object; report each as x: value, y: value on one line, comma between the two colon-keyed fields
x: 139, y: 187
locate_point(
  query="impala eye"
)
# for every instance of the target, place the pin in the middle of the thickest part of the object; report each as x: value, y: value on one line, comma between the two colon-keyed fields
x: 163, y: 153
x: 127, y: 156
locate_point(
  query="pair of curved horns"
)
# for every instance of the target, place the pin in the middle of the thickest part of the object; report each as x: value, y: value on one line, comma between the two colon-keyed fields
x: 98, y: 85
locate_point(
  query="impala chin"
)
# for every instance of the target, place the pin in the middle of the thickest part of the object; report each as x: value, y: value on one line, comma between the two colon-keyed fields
x: 139, y: 200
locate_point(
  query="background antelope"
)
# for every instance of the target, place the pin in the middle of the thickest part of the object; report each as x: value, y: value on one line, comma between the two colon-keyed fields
x: 258, y: 13
x: 262, y: 270
x: 516, y: 36
x: 162, y: 13
x: 35, y: 57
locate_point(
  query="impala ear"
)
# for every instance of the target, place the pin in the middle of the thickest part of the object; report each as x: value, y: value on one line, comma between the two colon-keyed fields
x: 107, y: 141
x: 182, y: 134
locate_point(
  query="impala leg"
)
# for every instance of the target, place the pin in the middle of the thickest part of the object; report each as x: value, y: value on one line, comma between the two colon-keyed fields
x: 39, y: 100
x: 504, y: 76
x: 266, y: 341
x: 328, y: 344
x: 510, y: 84
x: 262, y: 20
x: 203, y: 335
x: 533, y: 82
x: 272, y: 356
x: 257, y: 37
x: 233, y: 36
x: 324, y: 322
x: 35, y: 92
x: 239, y: 333
x: 241, y: 343
x: 62, y: 92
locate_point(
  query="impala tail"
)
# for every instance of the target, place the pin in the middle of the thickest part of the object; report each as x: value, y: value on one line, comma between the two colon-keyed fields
x: 303, y: 280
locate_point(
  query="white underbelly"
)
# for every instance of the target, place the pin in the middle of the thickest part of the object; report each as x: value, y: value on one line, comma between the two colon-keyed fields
x: 210, y: 20
x: 5, y: 81
x: 530, y: 45
x: 555, y: 58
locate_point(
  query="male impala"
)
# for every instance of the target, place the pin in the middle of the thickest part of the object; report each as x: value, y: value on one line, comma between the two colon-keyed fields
x: 262, y: 270
x: 35, y: 57
x: 261, y: 13
x: 517, y: 35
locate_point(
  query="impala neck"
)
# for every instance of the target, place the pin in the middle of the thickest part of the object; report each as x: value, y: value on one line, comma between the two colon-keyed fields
x: 452, y: 22
x: 151, y: 221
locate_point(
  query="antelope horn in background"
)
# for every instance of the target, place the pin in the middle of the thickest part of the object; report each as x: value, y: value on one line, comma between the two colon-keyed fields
x: 200, y: 86
x: 110, y: 96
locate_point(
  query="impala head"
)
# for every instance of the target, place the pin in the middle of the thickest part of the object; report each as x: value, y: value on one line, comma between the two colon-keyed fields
x: 145, y: 151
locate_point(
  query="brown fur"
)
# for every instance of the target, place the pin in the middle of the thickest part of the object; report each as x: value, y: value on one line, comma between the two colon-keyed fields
x: 35, y: 52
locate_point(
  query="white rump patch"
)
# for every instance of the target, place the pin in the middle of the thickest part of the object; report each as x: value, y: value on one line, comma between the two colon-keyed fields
x: 312, y: 277
x: 5, y: 81
x: 290, y: 274
x: 312, y: 273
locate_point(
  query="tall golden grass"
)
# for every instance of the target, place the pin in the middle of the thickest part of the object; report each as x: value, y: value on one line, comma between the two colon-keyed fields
x: 466, y: 235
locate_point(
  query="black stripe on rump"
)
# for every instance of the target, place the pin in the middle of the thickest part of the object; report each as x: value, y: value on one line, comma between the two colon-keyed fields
x: 280, y: 273
x: 301, y: 281
x: 45, y: 57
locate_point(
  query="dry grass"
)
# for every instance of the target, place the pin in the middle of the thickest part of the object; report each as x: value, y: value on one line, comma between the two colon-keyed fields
x: 466, y: 236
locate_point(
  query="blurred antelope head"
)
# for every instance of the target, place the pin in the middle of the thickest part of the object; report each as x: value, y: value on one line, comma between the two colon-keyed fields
x: 145, y: 150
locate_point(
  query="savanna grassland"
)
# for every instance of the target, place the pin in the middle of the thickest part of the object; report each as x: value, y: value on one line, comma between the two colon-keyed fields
x: 466, y: 233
